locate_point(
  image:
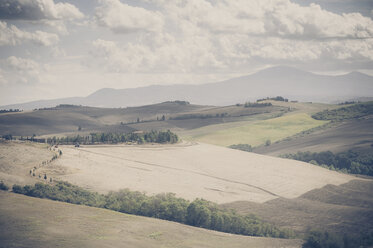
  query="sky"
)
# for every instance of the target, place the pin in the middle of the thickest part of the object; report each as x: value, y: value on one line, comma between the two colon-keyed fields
x: 64, y: 48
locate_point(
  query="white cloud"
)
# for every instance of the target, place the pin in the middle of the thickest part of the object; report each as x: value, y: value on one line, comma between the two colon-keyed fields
x: 123, y: 18
x: 200, y: 36
x: 11, y: 35
x: 38, y: 10
x: 20, y: 71
x: 267, y: 17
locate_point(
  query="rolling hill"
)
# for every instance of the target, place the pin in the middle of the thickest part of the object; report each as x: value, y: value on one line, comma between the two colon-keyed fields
x: 31, y: 222
x: 288, y: 82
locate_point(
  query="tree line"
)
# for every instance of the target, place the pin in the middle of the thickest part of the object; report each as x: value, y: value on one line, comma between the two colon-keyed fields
x: 10, y: 110
x: 257, y: 104
x: 113, y: 138
x: 167, y: 206
x: 355, y: 162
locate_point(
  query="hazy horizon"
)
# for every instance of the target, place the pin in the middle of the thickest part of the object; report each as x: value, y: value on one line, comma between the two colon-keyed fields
x: 56, y: 49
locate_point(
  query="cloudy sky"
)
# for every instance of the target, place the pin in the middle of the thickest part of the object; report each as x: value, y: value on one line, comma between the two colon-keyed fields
x: 51, y: 49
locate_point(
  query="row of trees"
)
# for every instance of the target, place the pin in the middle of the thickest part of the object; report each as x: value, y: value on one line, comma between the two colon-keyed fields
x: 199, y: 116
x: 10, y: 110
x: 114, y: 138
x: 200, y: 213
x: 277, y: 98
x: 355, y: 162
x: 256, y: 104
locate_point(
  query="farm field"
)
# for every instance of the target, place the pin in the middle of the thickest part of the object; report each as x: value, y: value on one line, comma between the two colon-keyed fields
x: 191, y: 171
x: 32, y: 222
x: 350, y: 134
x: 255, y: 133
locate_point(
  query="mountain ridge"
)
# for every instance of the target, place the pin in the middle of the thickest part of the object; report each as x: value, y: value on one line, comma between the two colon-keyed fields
x: 286, y: 81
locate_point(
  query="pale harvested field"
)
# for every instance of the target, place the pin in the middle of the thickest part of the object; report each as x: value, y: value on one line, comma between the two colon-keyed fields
x: 31, y: 222
x: 191, y: 171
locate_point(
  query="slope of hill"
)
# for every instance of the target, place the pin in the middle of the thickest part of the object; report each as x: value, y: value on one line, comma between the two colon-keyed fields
x: 254, y: 133
x: 345, y: 209
x: 285, y: 81
x: 31, y: 222
x: 214, y: 173
x: 68, y: 118
x: 351, y: 130
x: 286, y: 193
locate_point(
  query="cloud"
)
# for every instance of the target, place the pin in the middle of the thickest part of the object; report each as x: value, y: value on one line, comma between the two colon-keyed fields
x: 200, y: 36
x: 38, y: 10
x: 123, y: 18
x: 11, y: 35
x: 17, y: 70
x: 280, y: 18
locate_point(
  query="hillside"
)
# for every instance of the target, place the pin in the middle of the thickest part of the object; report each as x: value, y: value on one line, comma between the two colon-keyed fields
x: 68, y: 118
x: 288, y: 82
x: 176, y: 116
x: 214, y: 173
x: 351, y: 129
x: 32, y: 222
x: 287, y: 193
x: 344, y: 209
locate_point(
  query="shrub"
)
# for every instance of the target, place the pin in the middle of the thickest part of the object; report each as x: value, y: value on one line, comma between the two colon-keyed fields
x: 3, y: 186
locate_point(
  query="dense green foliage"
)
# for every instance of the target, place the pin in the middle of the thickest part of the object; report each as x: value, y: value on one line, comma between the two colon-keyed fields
x: 200, y: 213
x: 318, y: 239
x: 242, y: 147
x: 255, y: 104
x: 355, y: 162
x: 3, y: 186
x: 114, y: 138
x: 350, y: 112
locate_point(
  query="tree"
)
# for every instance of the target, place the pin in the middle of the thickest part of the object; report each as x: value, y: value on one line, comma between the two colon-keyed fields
x: 198, y: 214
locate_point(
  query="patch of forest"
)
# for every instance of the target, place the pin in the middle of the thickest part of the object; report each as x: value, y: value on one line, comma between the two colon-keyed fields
x: 354, y: 162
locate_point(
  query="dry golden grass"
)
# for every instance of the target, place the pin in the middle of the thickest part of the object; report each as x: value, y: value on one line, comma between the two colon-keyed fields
x: 191, y: 171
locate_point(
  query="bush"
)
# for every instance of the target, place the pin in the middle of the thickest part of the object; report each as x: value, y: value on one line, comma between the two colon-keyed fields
x: 242, y: 147
x: 3, y: 186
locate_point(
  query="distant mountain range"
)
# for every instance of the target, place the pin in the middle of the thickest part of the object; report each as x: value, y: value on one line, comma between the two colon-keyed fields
x: 276, y: 81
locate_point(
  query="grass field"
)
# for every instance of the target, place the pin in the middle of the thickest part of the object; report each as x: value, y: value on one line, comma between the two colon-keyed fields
x: 350, y: 134
x: 31, y: 222
x: 255, y: 133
